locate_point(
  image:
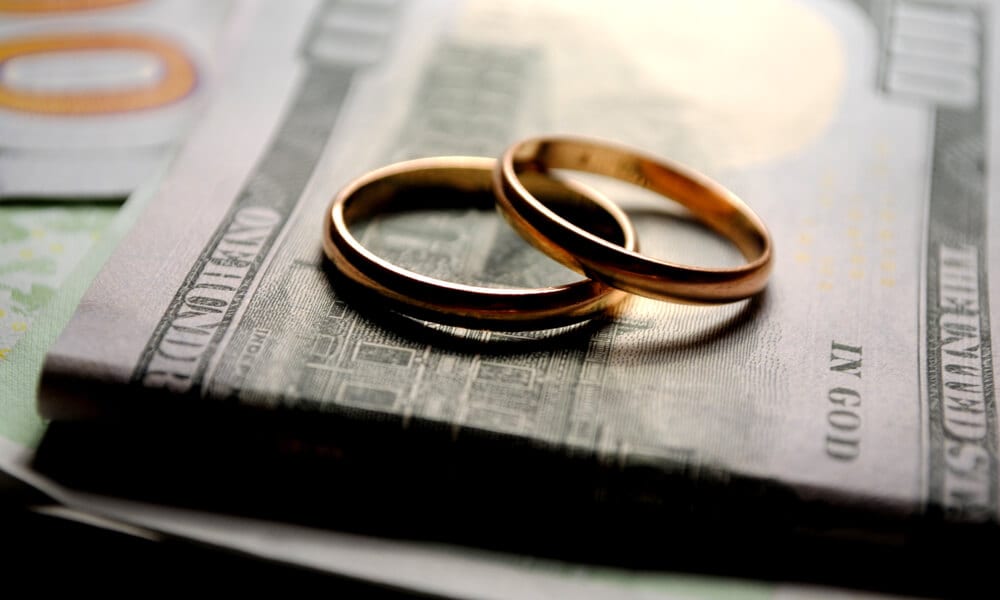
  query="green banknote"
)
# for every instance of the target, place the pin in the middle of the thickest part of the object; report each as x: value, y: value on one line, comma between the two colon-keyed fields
x: 40, y: 246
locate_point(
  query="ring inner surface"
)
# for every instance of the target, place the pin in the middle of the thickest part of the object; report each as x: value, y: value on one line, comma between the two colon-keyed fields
x: 715, y: 206
x: 451, y: 188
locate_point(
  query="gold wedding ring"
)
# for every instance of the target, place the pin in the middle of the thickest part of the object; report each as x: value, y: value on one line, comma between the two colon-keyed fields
x: 434, y: 181
x: 624, y: 268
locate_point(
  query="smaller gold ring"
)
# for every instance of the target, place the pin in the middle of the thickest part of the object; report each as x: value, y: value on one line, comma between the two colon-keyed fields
x: 620, y: 267
x: 469, y: 180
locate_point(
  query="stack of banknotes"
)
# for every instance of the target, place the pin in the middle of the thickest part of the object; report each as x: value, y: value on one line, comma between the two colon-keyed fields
x: 846, y: 413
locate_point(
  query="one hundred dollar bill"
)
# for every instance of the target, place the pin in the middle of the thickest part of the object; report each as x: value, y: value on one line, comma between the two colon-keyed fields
x: 862, y: 378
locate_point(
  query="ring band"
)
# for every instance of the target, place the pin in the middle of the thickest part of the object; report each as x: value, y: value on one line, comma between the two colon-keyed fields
x: 467, y: 180
x: 620, y: 267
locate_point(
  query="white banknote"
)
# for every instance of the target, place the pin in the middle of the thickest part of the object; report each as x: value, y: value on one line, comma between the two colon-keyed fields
x: 94, y: 94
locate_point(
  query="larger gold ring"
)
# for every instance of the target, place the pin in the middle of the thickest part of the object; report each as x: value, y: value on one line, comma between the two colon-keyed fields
x: 466, y: 179
x: 620, y: 267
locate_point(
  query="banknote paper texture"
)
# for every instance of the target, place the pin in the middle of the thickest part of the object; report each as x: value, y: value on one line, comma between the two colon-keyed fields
x: 857, y: 130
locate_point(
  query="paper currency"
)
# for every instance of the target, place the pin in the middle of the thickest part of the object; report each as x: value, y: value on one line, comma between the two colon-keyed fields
x: 407, y: 565
x: 89, y: 106
x: 856, y: 130
x: 39, y: 246
x: 93, y: 95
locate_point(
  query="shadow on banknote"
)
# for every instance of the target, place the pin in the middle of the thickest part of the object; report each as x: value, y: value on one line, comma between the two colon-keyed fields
x: 430, y: 481
x: 383, y: 314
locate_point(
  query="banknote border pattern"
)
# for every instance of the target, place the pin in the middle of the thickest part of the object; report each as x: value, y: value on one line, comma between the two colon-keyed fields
x: 274, y: 186
x: 962, y: 475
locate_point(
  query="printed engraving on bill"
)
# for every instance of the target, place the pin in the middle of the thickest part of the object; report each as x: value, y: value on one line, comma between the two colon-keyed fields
x: 934, y: 52
x: 843, y: 438
x: 208, y: 302
x: 277, y: 184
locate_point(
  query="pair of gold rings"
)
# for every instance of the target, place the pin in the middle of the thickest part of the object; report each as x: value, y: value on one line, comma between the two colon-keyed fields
x: 605, y: 250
